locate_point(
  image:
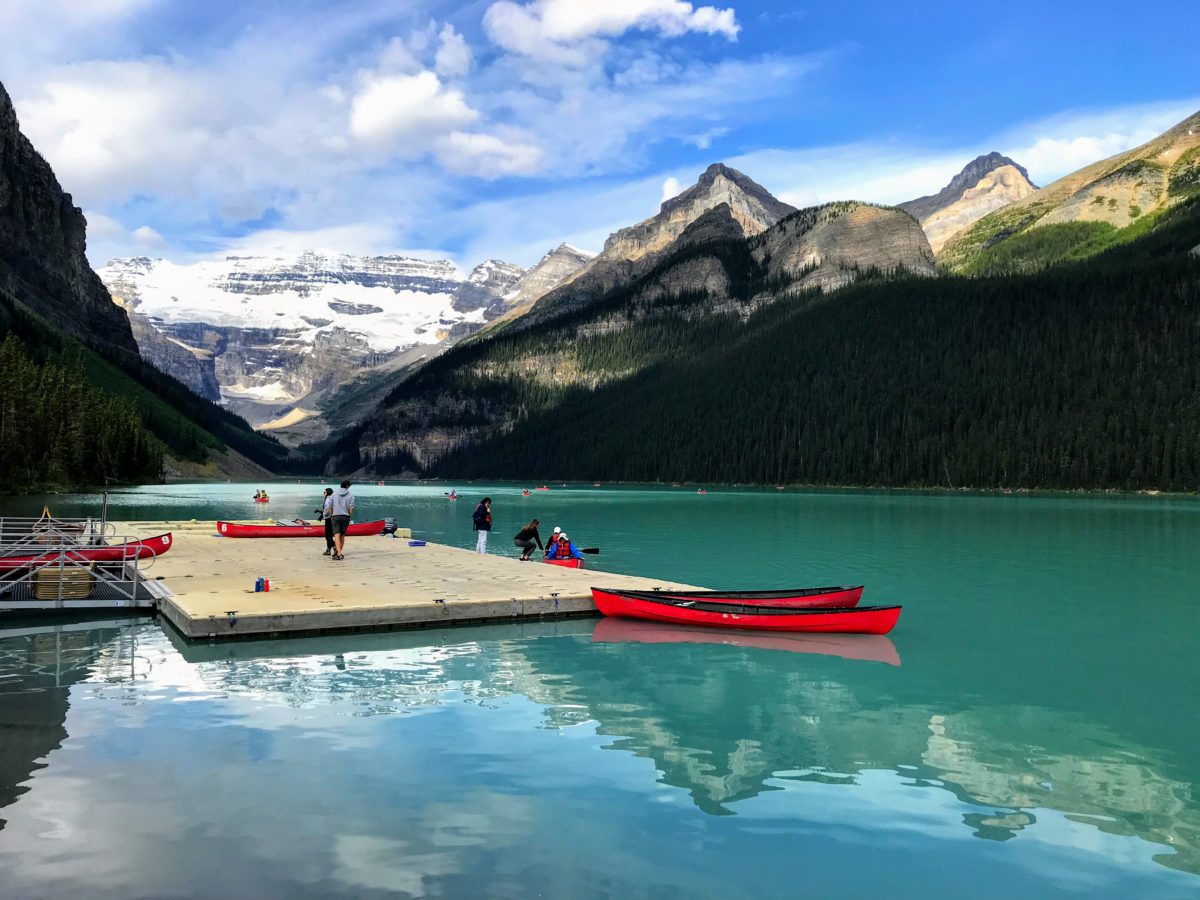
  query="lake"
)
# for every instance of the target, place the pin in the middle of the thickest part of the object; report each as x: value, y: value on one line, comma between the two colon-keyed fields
x: 1030, y: 728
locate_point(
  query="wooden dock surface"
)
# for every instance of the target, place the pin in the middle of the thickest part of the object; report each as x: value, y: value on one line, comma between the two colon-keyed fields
x: 383, y: 583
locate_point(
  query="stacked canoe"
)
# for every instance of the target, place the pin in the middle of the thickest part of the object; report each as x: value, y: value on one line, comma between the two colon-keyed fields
x: 818, y: 609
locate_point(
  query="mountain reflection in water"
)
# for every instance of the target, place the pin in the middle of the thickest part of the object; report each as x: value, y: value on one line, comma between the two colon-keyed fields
x: 726, y: 718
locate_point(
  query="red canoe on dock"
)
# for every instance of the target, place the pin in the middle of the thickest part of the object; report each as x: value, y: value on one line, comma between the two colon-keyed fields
x: 235, y: 530
x: 858, y: 620
x: 144, y: 549
x: 841, y: 597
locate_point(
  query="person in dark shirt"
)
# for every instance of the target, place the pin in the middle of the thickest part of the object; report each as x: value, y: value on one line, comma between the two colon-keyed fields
x: 328, y: 520
x: 527, y: 538
x: 482, y: 519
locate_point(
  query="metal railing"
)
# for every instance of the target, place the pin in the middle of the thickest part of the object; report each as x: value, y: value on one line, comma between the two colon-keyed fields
x: 69, y: 566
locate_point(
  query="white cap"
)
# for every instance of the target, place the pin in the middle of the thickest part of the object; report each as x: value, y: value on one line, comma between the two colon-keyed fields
x: 557, y: 529
x: 563, y: 536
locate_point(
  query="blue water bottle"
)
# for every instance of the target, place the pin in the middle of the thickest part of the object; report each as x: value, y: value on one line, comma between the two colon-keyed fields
x: 258, y: 585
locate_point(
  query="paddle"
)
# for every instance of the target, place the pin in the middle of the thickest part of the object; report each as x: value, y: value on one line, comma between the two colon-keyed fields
x: 592, y: 550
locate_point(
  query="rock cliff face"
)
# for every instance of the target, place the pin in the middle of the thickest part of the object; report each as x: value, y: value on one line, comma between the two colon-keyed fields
x: 750, y: 205
x: 553, y: 269
x: 193, y: 367
x: 487, y: 286
x: 42, y: 241
x: 985, y: 184
x: 1117, y: 191
x: 830, y: 246
x: 631, y: 251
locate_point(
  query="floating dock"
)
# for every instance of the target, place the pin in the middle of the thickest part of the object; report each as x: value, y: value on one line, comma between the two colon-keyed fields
x: 383, y: 583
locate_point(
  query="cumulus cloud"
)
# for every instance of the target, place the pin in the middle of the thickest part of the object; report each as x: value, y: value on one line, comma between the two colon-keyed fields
x: 407, y: 112
x: 570, y: 32
x: 453, y: 59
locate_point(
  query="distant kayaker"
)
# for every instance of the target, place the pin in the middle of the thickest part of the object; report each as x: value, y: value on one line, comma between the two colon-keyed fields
x: 563, y: 549
x: 328, y: 520
x: 482, y: 519
x: 526, y: 539
x: 339, y: 506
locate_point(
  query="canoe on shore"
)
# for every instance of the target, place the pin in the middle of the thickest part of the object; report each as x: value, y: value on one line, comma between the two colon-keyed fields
x: 840, y: 597
x: 143, y: 549
x: 866, y: 647
x: 236, y: 530
x: 569, y: 563
x: 857, y: 620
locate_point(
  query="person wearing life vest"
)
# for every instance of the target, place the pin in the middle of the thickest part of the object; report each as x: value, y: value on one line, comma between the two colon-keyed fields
x: 552, y: 541
x: 562, y: 548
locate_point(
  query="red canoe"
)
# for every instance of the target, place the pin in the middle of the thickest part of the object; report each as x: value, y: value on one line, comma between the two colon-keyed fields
x: 155, y: 546
x: 866, y: 647
x: 234, y: 530
x: 569, y: 563
x: 860, y: 620
x: 842, y: 597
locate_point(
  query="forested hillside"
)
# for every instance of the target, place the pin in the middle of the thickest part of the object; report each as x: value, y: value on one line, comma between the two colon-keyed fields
x: 66, y: 401
x: 1082, y: 375
x: 675, y: 303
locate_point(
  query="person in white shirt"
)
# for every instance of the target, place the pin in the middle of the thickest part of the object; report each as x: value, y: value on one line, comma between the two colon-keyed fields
x: 339, y: 507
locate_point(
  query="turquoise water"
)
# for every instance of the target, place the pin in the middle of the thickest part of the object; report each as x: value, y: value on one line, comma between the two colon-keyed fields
x: 1030, y: 728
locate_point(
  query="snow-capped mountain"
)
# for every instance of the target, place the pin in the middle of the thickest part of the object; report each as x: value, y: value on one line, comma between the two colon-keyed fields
x: 277, y: 334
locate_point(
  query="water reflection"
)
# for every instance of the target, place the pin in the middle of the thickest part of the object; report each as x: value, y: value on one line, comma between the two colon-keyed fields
x: 426, y: 762
x: 874, y: 647
x: 38, y: 663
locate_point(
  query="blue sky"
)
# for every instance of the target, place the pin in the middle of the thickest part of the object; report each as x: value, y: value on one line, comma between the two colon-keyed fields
x: 499, y: 128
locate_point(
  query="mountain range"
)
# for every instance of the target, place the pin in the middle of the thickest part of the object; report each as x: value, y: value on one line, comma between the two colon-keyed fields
x: 272, y: 337
x: 992, y: 334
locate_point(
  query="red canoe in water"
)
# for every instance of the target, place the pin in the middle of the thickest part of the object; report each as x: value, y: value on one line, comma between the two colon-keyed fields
x: 841, y: 597
x: 569, y: 563
x: 235, y: 530
x: 866, y: 647
x: 859, y: 620
x: 155, y: 546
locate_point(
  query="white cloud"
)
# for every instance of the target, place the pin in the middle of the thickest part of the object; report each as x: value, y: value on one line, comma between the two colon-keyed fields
x: 408, y: 112
x: 106, y: 238
x: 454, y: 57
x: 671, y: 187
x: 571, y: 32
x: 486, y: 155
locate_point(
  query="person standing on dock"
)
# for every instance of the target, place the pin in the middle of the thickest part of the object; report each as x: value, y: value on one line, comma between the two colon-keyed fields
x: 339, y: 506
x: 328, y: 520
x: 482, y: 517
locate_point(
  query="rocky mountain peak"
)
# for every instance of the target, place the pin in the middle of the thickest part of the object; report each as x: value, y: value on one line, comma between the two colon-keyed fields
x: 751, y: 205
x: 986, y: 183
x: 553, y: 269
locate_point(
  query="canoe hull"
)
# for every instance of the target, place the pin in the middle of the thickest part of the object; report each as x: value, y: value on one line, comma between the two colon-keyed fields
x: 864, y: 620
x: 236, y: 530
x: 798, y: 598
x: 144, y: 549
x: 571, y: 563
